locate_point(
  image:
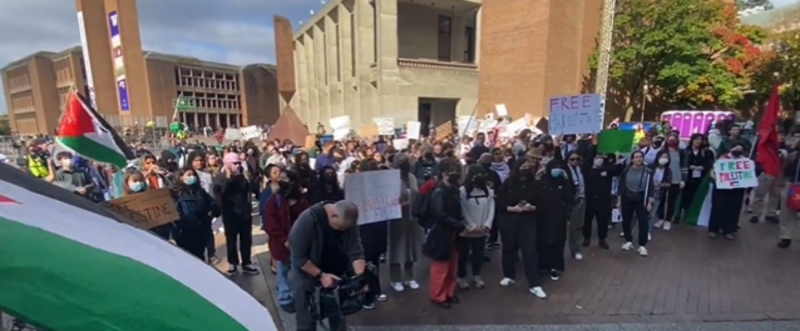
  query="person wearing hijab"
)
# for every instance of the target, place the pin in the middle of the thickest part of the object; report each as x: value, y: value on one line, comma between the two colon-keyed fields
x: 327, y: 186
x: 553, y: 200
x: 405, y: 234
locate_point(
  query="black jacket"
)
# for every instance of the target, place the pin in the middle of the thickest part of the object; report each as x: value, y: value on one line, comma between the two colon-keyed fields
x: 446, y: 211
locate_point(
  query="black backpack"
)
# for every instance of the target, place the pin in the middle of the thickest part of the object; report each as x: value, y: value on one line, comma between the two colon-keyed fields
x: 422, y: 209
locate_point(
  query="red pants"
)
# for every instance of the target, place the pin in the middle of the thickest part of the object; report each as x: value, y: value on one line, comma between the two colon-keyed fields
x: 442, y: 282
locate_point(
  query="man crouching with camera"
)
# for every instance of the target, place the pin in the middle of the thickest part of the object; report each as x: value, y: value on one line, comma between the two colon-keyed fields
x: 328, y: 271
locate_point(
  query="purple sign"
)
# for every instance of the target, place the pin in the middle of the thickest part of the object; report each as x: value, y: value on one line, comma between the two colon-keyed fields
x: 689, y: 122
x: 113, y: 24
x: 122, y: 92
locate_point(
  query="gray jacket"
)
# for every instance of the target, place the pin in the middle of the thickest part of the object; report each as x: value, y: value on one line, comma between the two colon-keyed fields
x: 306, y: 244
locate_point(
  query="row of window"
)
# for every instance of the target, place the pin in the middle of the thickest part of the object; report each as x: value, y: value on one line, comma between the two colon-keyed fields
x: 22, y: 81
x: 227, y: 85
x: 200, y: 120
x: 214, y: 101
x: 22, y: 102
x: 201, y: 73
x: 27, y: 126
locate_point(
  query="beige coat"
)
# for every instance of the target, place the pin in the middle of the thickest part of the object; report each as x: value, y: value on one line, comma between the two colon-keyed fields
x: 405, y: 234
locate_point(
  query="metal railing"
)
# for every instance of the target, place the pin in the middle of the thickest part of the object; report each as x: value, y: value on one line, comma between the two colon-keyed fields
x: 11, y: 323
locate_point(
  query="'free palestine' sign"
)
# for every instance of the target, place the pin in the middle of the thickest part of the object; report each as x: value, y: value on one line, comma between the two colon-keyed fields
x: 733, y: 174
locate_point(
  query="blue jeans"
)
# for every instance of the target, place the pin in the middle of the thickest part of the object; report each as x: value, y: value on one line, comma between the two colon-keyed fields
x: 284, y: 291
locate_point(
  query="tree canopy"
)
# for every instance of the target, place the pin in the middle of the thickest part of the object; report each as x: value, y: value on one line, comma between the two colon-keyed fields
x: 688, y: 54
x: 782, y: 58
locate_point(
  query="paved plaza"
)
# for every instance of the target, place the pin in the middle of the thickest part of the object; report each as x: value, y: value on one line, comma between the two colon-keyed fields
x: 689, y: 282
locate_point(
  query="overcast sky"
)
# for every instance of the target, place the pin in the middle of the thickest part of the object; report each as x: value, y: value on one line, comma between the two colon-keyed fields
x: 229, y: 31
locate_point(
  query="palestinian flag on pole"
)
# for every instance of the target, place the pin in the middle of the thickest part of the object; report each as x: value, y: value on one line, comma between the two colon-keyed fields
x: 699, y: 210
x: 69, y: 264
x: 85, y: 133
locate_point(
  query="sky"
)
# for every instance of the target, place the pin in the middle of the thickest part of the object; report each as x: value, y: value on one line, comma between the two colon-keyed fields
x: 230, y: 31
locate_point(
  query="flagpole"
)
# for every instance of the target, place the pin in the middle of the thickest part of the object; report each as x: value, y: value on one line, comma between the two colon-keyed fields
x: 175, y: 106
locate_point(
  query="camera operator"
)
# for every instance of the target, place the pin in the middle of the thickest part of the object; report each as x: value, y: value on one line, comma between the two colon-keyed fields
x: 324, y: 244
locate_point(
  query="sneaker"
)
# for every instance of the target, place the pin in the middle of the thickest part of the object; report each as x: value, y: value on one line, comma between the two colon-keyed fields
x: 642, y: 251
x: 658, y: 224
x: 397, y: 286
x: 538, y: 292
x: 412, y: 284
x: 622, y: 234
x: 627, y: 246
x: 463, y: 284
x: 382, y: 297
x: 232, y: 270
x: 784, y: 243
x: 369, y: 306
x: 578, y: 256
x: 667, y: 226
x: 554, y: 274
x: 249, y: 269
x: 754, y: 219
x: 649, y: 237
x: 214, y: 260
x: 479, y: 282
x: 603, y: 244
x: 506, y: 281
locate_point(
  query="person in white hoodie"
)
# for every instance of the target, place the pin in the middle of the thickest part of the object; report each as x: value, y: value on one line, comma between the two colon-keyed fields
x: 478, y: 209
x: 206, y: 179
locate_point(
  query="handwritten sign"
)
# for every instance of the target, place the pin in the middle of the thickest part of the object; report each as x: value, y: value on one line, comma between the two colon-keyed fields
x: 385, y: 125
x: 575, y: 114
x: 250, y: 132
x: 146, y: 210
x: 376, y: 193
x: 733, y: 174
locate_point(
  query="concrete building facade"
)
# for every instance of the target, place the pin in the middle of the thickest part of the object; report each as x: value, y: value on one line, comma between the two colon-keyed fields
x: 406, y: 59
x: 130, y: 86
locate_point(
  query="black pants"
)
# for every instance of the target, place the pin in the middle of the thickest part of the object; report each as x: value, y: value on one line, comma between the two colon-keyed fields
x: 629, y: 209
x: 518, y: 234
x: 551, y: 257
x: 666, y: 210
x: 687, y: 196
x: 211, y: 245
x: 493, y: 231
x: 374, y: 239
x: 596, y: 209
x: 470, y: 250
x: 238, y: 231
x: 192, y: 239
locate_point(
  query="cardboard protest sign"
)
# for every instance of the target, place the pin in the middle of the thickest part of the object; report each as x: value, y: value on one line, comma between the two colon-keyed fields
x: 575, y: 114
x: 310, y: 141
x: 376, y: 193
x: 735, y: 173
x: 444, y: 130
x: 615, y: 141
x: 369, y: 130
x: 146, y: 210
x: 289, y: 126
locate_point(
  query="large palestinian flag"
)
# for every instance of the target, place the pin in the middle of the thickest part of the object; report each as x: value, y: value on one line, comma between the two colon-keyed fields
x: 84, y: 132
x: 67, y: 264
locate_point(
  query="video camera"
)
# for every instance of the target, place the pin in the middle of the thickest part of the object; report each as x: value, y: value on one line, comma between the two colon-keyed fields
x: 344, y: 299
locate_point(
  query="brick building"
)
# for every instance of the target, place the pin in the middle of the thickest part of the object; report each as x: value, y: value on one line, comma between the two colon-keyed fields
x: 131, y: 86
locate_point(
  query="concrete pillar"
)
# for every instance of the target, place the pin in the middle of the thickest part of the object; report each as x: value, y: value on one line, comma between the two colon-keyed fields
x: 458, y: 40
x: 332, y: 35
x: 365, y: 46
x: 301, y: 100
x: 388, y: 49
x: 478, y: 21
x: 350, y: 97
x: 313, y: 78
x: 320, y: 111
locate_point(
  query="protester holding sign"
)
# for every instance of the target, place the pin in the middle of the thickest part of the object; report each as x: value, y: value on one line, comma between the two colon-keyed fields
x: 733, y: 174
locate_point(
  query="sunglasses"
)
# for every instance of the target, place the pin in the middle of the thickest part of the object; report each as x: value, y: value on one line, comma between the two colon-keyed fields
x: 575, y: 159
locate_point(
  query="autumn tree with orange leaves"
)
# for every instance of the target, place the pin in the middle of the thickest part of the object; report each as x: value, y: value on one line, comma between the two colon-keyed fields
x: 690, y: 54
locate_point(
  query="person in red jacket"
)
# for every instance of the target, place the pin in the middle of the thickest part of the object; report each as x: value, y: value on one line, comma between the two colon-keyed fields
x: 280, y: 212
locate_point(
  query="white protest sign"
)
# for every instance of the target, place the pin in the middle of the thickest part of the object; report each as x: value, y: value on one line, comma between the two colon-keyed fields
x: 501, y: 110
x: 467, y: 125
x: 735, y: 173
x: 400, y: 144
x: 575, y: 114
x: 385, y: 125
x: 487, y: 125
x: 233, y: 134
x: 412, y: 129
x: 341, y: 127
x: 376, y: 193
x: 250, y: 132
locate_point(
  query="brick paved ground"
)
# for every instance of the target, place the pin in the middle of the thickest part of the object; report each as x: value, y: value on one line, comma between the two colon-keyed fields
x: 687, y: 279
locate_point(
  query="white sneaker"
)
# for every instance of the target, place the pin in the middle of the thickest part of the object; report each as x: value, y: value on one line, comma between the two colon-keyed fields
x: 412, y: 284
x: 658, y: 224
x: 382, y: 298
x: 397, y: 286
x: 627, y: 246
x: 538, y: 292
x: 506, y: 281
x: 649, y: 237
x: 578, y: 256
x: 667, y: 226
x: 642, y: 251
x: 622, y: 234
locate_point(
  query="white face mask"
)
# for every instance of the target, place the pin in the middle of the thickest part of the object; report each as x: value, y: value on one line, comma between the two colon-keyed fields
x: 663, y: 161
x: 598, y: 162
x: 66, y: 163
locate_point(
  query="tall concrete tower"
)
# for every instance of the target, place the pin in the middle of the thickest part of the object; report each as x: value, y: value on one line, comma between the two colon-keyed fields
x: 113, y: 58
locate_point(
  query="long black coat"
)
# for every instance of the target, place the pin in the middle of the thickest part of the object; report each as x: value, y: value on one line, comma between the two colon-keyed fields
x: 446, y: 211
x: 553, y: 200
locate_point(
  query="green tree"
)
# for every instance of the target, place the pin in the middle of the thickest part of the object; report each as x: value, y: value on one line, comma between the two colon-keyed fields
x: 5, y: 127
x: 677, y: 54
x: 783, y: 59
x: 749, y: 4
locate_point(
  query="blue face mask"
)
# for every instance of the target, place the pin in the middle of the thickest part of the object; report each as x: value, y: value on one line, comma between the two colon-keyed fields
x: 556, y: 172
x: 137, y: 186
x: 191, y: 180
